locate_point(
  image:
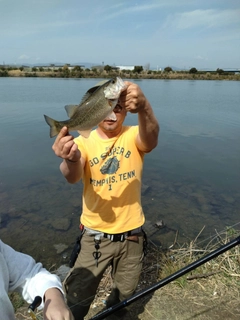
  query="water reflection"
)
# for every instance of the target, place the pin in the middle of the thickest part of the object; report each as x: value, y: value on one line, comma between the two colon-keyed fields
x: 190, y: 181
x: 45, y: 213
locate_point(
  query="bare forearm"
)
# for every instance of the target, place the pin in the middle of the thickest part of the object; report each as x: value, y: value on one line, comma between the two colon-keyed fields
x: 72, y: 171
x: 148, y: 127
x: 55, y: 307
x: 65, y: 148
x: 135, y: 101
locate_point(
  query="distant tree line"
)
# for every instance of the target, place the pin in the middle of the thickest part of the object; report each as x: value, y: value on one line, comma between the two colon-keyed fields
x: 108, y: 71
x: 194, y: 70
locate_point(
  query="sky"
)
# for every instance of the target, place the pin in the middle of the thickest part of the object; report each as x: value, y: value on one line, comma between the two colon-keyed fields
x: 204, y: 34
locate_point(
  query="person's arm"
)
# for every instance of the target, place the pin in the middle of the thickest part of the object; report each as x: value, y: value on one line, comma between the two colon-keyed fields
x: 135, y: 102
x: 31, y: 279
x: 72, y: 164
x: 148, y: 128
x: 72, y: 171
x: 55, y: 306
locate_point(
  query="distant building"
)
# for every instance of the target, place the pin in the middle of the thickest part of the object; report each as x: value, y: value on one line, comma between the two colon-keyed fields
x: 131, y: 68
x: 98, y: 67
x: 57, y: 66
x: 101, y: 67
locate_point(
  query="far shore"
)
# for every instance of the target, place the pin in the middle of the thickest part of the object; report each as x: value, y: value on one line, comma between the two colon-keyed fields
x: 172, y: 75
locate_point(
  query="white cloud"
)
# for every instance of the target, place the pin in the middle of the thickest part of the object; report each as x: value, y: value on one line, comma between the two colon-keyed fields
x: 203, y: 18
x: 199, y: 57
x: 134, y: 9
x: 23, y: 57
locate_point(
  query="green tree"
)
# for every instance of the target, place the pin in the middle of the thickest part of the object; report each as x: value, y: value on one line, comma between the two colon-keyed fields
x: 193, y: 70
x: 77, y: 68
x: 138, y: 69
x: 220, y: 71
x: 3, y: 73
x: 168, y: 69
x: 108, y: 68
x: 65, y: 68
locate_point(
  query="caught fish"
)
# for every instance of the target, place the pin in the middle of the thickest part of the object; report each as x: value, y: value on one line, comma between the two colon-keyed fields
x: 97, y: 104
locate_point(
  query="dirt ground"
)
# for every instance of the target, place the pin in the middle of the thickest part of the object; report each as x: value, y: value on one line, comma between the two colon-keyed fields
x: 199, y: 294
x: 193, y: 304
x: 197, y: 301
x: 204, y: 298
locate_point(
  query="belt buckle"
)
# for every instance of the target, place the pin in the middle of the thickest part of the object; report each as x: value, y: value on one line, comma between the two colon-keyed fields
x: 118, y: 237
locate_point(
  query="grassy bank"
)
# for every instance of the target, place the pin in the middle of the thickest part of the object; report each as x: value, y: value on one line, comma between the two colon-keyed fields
x: 173, y: 75
x: 210, y: 291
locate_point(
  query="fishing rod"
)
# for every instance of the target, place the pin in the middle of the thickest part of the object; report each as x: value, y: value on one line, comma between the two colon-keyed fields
x: 167, y: 280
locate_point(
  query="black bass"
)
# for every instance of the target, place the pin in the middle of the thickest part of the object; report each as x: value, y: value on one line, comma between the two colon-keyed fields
x: 97, y: 104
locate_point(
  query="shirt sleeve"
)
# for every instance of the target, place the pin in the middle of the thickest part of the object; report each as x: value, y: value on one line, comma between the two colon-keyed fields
x: 26, y: 276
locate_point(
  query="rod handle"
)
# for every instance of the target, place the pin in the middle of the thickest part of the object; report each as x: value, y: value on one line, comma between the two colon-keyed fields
x: 36, y: 303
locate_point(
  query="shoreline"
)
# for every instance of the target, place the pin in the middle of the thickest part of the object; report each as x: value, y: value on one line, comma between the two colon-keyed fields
x: 209, y: 291
x: 172, y: 75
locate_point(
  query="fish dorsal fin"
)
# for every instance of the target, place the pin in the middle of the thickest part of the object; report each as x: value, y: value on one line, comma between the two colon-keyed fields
x: 89, y: 93
x: 71, y: 109
x: 85, y: 133
x: 93, y: 89
x: 100, y: 83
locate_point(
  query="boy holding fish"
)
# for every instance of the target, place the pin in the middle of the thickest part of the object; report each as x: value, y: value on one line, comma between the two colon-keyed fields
x: 110, y: 164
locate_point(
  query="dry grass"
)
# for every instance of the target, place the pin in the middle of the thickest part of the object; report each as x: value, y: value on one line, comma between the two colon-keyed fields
x: 174, y: 75
x: 227, y: 263
x: 209, y: 292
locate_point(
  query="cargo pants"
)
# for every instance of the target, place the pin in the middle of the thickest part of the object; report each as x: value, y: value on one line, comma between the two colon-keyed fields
x: 82, y: 282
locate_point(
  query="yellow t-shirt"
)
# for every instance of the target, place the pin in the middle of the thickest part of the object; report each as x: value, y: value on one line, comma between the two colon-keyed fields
x: 112, y: 182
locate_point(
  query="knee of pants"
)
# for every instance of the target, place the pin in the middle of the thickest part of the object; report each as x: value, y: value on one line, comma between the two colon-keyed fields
x: 78, y: 311
x: 80, y: 287
x: 124, y: 294
x: 126, y: 274
x: 127, y: 286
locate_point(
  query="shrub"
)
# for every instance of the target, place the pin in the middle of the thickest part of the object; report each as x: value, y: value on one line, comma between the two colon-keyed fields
x: 193, y: 70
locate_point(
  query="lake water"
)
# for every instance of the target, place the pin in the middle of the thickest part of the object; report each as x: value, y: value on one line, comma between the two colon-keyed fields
x: 193, y: 175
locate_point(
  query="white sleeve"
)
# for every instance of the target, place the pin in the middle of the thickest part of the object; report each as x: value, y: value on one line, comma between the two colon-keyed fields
x: 26, y: 276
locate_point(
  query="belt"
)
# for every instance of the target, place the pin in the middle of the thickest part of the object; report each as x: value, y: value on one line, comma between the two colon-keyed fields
x: 122, y: 236
x: 113, y: 237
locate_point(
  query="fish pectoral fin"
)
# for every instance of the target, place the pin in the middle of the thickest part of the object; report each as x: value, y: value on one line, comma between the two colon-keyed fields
x: 85, y: 133
x: 112, y: 116
x: 71, y: 109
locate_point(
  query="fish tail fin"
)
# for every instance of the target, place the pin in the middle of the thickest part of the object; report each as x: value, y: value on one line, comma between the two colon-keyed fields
x: 53, y: 128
